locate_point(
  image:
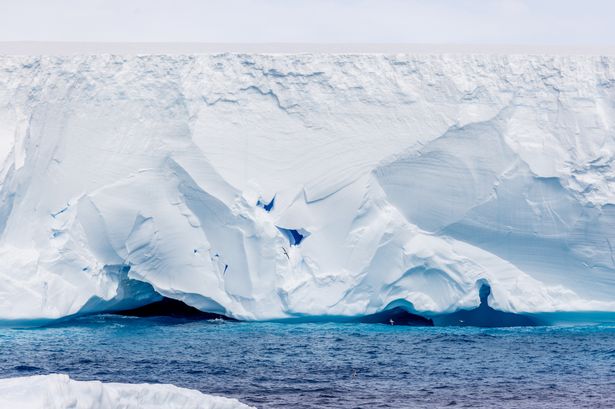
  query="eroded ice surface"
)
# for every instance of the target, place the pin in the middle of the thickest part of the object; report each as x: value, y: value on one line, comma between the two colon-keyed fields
x: 273, y: 186
x: 60, y: 392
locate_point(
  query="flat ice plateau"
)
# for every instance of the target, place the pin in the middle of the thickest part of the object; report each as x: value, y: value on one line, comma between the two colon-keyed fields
x: 60, y: 392
x: 264, y: 186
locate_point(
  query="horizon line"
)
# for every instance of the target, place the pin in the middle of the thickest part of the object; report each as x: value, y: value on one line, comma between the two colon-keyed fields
x: 147, y: 48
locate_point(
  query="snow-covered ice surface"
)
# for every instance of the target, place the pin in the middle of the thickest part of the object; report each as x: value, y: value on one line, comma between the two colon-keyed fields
x: 60, y: 392
x: 271, y: 186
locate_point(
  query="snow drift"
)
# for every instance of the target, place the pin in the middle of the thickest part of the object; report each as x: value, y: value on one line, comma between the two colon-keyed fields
x: 60, y: 392
x: 276, y: 186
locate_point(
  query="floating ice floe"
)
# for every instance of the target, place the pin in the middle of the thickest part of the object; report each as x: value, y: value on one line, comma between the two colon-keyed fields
x: 60, y: 392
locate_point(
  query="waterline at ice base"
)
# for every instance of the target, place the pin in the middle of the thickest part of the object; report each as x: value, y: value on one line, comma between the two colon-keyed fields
x: 457, y: 189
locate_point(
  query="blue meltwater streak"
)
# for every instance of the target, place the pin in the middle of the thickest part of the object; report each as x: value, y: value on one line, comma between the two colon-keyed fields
x: 330, y: 365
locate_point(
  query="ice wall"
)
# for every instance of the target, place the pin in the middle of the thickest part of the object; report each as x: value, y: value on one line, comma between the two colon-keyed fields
x: 272, y: 186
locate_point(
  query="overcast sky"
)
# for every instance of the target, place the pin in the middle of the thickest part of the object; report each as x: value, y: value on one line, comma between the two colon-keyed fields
x: 561, y: 22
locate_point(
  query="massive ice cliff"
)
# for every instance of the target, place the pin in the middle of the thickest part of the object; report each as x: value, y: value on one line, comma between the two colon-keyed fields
x: 276, y: 186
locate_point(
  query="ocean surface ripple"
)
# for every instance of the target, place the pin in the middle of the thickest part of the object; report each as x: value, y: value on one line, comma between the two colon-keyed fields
x: 278, y: 365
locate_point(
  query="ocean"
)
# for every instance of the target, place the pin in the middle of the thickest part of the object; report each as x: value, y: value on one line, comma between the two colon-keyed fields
x: 330, y: 365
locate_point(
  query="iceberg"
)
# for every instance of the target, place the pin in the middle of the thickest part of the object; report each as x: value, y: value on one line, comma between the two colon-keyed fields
x: 278, y: 186
x: 57, y: 391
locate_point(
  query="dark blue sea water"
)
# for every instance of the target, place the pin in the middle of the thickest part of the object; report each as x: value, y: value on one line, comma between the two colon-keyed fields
x: 330, y: 365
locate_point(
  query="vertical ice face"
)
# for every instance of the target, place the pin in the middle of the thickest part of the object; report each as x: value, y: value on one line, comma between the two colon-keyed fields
x: 270, y: 186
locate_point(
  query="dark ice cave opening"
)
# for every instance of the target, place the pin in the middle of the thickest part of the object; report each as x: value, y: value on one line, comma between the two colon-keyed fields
x: 168, y: 307
x: 396, y: 316
x: 485, y: 316
x: 392, y: 316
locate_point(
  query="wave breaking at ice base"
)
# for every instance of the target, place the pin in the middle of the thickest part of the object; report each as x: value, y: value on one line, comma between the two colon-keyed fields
x: 283, y: 186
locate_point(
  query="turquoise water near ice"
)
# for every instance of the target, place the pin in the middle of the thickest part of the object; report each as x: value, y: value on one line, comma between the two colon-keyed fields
x: 330, y: 365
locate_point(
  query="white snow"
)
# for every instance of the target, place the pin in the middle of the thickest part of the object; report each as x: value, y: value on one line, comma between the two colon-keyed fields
x: 59, y: 392
x: 409, y: 177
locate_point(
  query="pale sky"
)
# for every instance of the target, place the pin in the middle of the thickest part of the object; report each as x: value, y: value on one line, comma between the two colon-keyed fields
x: 543, y: 22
